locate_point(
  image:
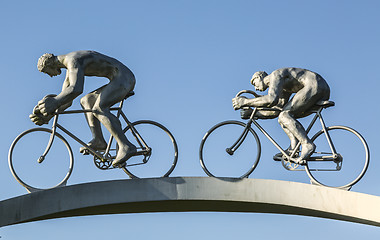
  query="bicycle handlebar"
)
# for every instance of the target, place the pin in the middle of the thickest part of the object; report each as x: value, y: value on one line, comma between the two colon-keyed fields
x: 247, y: 91
x: 257, y: 95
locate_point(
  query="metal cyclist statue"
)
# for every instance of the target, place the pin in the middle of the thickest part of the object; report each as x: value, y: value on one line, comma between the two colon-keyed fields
x: 308, y: 88
x: 89, y: 63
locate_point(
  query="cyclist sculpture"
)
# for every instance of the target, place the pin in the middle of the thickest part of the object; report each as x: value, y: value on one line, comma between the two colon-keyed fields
x: 89, y: 63
x: 309, y: 88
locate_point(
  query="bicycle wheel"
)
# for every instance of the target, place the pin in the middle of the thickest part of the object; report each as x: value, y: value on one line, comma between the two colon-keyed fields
x: 216, y: 158
x: 23, y: 157
x: 351, y: 165
x: 164, y: 151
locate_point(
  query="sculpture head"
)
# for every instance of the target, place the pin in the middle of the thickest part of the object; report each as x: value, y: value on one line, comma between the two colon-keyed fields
x: 258, y: 81
x: 48, y: 63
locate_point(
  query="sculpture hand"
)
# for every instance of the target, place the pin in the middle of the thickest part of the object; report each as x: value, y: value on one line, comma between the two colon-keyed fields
x: 36, y: 119
x: 238, y: 102
x: 39, y: 119
x: 47, y: 105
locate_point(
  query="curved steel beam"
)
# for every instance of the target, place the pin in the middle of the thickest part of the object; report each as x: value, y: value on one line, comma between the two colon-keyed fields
x: 181, y: 194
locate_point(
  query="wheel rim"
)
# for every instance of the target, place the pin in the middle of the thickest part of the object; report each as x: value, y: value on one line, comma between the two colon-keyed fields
x: 32, y: 175
x: 213, y: 152
x: 164, y: 155
x: 355, y: 152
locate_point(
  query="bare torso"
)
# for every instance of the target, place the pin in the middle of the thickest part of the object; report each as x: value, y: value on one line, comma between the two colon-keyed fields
x: 96, y: 64
x: 294, y: 79
x: 286, y: 81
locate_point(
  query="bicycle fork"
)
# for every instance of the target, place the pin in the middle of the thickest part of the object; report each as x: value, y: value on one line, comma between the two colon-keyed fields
x: 51, y: 140
x: 231, y: 150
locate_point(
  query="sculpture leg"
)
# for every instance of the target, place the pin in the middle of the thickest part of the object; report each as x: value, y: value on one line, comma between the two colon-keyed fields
x: 112, y: 93
x: 293, y: 139
x: 296, y: 132
x: 298, y: 107
x: 97, y: 142
x: 292, y: 146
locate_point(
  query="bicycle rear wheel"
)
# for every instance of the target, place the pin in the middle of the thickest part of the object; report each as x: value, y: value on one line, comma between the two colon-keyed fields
x: 352, y: 162
x: 164, y: 151
x: 52, y: 172
x: 215, y: 154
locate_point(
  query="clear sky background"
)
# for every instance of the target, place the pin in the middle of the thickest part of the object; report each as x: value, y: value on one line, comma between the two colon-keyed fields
x: 190, y: 58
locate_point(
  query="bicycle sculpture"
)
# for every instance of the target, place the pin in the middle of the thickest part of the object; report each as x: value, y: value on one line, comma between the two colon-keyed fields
x: 147, y: 137
x: 44, y: 150
x: 339, y: 157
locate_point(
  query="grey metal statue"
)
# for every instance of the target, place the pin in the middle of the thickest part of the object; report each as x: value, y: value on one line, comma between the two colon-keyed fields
x: 89, y: 63
x: 308, y: 88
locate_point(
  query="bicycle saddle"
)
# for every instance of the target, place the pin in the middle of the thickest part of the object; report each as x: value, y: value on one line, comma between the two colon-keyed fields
x: 131, y: 93
x: 325, y: 104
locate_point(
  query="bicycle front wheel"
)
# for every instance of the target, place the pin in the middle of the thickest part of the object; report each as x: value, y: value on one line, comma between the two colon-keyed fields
x: 25, y: 152
x: 229, y: 149
x: 164, y: 151
x: 351, y: 161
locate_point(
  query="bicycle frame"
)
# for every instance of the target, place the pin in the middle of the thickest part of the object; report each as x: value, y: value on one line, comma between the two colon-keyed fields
x: 105, y: 156
x: 290, y: 157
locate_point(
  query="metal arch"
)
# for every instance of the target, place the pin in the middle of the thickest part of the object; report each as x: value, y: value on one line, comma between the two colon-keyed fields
x: 182, y: 194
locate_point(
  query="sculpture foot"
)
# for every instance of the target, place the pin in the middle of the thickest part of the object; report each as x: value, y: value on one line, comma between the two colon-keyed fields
x: 307, y: 150
x: 123, y: 155
x: 279, y: 156
x: 299, y: 161
x: 94, y: 144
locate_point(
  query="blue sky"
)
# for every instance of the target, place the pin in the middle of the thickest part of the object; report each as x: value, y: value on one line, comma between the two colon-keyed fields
x: 190, y: 58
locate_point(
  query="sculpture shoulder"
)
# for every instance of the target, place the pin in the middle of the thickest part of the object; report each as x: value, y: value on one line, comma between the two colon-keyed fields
x: 287, y: 79
x: 295, y: 73
x: 80, y: 59
x: 289, y: 71
x: 278, y: 76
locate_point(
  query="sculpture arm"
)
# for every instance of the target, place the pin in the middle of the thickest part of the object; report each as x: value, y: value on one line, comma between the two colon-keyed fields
x: 72, y: 87
x: 240, y: 102
x: 269, y: 100
x: 263, y: 101
x: 65, y: 85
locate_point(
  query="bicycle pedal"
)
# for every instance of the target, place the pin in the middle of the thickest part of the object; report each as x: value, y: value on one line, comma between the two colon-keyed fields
x: 278, y: 157
x: 84, y: 151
